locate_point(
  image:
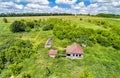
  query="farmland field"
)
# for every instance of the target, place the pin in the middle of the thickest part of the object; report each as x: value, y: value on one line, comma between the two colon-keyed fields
x: 101, y: 56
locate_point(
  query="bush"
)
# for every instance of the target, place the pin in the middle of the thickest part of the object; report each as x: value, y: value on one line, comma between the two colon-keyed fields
x: 81, y: 19
x: 48, y: 27
x: 86, y: 74
x: 103, y: 41
x: 5, y: 20
x: 17, y: 26
x: 30, y: 24
x: 23, y: 43
x: 15, y: 69
x: 28, y: 29
x: 26, y: 75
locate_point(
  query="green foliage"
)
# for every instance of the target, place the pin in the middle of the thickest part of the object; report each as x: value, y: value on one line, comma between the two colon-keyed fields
x: 27, y: 29
x: 5, y: 20
x: 30, y: 24
x: 17, y: 26
x: 81, y: 19
x: 19, y: 51
x: 5, y: 73
x: 86, y: 74
x: 24, y: 44
x: 104, y: 23
x: 26, y: 75
x: 15, y: 51
x: 116, y: 29
x: 103, y: 41
x: 48, y: 27
x: 15, y: 69
x: 107, y: 15
x: 74, y: 33
x: 116, y: 43
x: 3, y: 49
x: 27, y: 49
x: 83, y: 39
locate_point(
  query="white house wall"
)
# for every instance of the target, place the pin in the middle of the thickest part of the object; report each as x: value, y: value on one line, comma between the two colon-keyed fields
x: 75, y: 56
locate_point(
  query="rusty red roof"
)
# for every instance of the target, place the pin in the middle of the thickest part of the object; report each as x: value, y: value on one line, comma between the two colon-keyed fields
x: 53, y: 52
x: 74, y: 49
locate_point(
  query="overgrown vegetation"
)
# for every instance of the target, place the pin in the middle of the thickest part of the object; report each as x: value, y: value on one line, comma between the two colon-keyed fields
x: 22, y: 55
x: 17, y: 26
x: 5, y: 20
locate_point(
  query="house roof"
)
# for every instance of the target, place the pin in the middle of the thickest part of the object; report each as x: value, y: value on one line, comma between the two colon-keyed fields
x: 53, y: 52
x: 74, y: 49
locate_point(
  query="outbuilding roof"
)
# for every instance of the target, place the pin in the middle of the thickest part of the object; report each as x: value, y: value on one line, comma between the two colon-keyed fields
x: 74, y: 49
x: 53, y: 52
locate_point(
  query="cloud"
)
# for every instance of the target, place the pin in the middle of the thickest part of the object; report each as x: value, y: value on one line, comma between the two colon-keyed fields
x: 69, y: 2
x: 36, y: 6
x: 10, y: 5
x: 80, y: 5
x: 32, y: 1
x: 81, y: 8
x: 116, y: 4
x: 57, y: 9
x: 32, y: 7
x: 95, y: 6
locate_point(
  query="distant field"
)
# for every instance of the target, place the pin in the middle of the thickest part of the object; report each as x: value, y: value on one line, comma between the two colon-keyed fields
x: 60, y: 17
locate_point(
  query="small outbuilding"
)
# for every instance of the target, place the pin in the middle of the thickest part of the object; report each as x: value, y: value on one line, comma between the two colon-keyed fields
x: 74, y: 51
x: 53, y: 53
x: 48, y: 43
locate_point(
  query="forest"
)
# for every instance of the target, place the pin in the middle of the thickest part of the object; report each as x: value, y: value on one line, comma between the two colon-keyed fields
x: 57, y: 14
x: 22, y: 52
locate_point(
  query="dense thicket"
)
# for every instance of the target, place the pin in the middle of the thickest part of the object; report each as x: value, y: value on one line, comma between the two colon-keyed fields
x: 15, y: 54
x: 48, y: 27
x: 88, y: 36
x: 17, y: 26
x: 15, y: 51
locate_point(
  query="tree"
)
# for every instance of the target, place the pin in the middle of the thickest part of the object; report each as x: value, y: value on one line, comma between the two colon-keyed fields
x: 5, y: 20
x: 17, y: 26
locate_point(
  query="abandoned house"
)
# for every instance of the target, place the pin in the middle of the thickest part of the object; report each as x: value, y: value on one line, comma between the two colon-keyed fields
x: 53, y: 53
x: 74, y: 51
x: 48, y: 43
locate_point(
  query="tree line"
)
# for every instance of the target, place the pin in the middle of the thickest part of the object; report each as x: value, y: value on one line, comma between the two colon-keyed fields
x: 108, y: 15
x: 32, y: 14
x: 57, y: 14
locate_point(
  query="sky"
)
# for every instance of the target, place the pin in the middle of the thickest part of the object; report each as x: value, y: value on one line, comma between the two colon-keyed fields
x: 60, y: 6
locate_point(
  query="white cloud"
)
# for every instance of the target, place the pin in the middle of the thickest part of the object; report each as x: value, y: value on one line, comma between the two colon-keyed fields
x: 80, y: 5
x: 95, y: 6
x: 57, y: 9
x: 11, y: 5
x: 33, y: 1
x: 116, y: 3
x: 66, y: 1
x: 36, y: 6
x: 81, y: 8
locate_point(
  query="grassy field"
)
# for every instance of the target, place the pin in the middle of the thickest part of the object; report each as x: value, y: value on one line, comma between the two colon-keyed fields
x: 102, y: 62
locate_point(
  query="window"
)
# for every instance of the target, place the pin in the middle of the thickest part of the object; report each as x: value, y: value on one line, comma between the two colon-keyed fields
x: 79, y: 54
x: 68, y: 54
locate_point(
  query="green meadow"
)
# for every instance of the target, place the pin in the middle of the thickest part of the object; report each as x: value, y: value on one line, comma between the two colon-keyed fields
x: 22, y: 54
